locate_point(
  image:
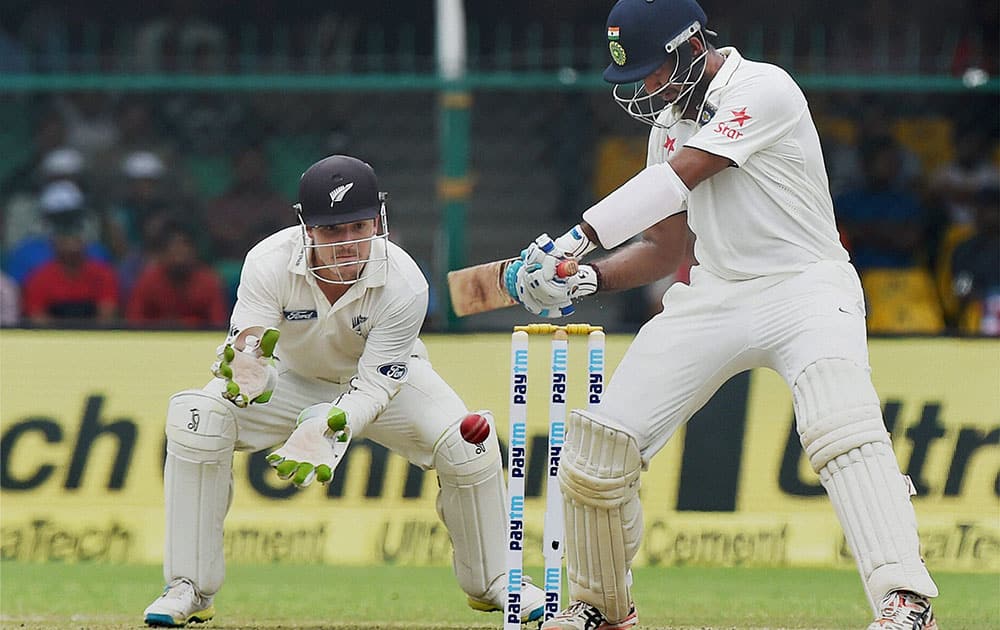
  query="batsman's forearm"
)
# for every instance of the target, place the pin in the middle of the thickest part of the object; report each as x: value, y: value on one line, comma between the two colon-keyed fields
x: 657, y: 255
x: 635, y: 265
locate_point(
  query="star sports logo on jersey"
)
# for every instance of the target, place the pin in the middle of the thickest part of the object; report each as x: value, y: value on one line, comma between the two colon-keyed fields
x: 740, y: 116
x: 730, y: 128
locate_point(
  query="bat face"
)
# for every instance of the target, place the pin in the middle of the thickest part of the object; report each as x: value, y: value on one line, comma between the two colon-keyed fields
x: 479, y: 288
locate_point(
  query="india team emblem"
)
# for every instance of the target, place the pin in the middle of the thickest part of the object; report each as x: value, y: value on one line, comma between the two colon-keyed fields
x: 617, y: 53
x: 707, y: 113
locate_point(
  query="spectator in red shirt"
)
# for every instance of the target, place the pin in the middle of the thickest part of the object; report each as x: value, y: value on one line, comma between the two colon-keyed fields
x: 73, y: 284
x: 177, y: 289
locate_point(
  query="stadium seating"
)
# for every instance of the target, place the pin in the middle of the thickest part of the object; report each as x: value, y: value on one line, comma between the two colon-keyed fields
x: 902, y: 301
x: 929, y: 137
x: 618, y: 159
x: 954, y: 235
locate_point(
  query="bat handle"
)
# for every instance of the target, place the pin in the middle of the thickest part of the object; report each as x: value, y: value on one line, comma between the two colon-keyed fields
x: 567, y: 268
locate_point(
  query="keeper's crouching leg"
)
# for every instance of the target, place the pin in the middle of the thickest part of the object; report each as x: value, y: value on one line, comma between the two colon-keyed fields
x: 599, y: 478
x: 471, y: 503
x: 841, y: 429
x: 197, y: 477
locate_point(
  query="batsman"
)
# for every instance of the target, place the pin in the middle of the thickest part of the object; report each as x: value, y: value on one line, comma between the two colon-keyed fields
x: 347, y: 305
x: 734, y: 156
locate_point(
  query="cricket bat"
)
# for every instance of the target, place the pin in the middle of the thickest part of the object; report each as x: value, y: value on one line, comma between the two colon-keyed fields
x: 481, y: 288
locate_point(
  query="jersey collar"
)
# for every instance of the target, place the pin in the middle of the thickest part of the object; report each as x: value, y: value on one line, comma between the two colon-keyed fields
x: 726, y: 71
x: 381, y: 257
x: 297, y: 257
x: 672, y: 115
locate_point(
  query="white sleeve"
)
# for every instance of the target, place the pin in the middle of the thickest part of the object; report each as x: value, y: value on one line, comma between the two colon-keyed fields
x: 384, y: 364
x: 752, y: 115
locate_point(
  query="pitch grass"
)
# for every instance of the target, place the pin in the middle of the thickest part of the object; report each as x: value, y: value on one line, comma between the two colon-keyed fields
x: 85, y: 596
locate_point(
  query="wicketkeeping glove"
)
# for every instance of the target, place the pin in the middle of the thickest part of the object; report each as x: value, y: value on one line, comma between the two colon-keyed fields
x: 251, y: 373
x: 315, y: 447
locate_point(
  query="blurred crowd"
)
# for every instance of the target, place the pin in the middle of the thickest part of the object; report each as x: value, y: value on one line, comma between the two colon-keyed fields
x: 917, y: 201
x: 136, y: 209
x: 102, y: 223
x: 382, y: 35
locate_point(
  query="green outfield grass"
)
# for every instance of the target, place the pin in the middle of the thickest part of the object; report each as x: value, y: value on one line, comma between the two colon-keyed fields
x: 83, y: 596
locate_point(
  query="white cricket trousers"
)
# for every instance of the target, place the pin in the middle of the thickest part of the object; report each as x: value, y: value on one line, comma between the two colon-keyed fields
x: 714, y: 329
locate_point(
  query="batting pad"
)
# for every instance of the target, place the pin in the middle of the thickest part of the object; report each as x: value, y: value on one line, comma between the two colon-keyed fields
x: 471, y: 503
x: 197, y: 479
x: 599, y: 478
x: 841, y: 429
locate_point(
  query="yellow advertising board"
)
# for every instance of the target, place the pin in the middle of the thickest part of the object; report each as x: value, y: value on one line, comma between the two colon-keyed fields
x: 81, y: 442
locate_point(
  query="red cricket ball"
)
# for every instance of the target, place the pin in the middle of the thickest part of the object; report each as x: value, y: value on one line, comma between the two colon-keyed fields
x: 475, y: 428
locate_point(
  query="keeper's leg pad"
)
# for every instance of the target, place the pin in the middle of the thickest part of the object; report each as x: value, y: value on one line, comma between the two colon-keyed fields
x: 471, y: 503
x: 599, y: 478
x: 841, y: 429
x: 197, y: 479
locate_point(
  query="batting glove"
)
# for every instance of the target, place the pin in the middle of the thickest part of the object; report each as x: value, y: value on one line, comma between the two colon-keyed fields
x: 315, y: 447
x: 538, y: 282
x: 250, y: 374
x: 543, y: 286
x: 546, y: 281
x: 515, y: 279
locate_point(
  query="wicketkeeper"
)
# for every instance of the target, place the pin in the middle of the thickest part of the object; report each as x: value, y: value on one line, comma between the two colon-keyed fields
x: 347, y: 305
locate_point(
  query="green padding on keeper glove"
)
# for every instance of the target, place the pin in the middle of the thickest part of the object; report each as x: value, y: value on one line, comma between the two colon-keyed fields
x: 336, y: 420
x: 254, y: 367
x: 268, y: 341
x: 315, y: 447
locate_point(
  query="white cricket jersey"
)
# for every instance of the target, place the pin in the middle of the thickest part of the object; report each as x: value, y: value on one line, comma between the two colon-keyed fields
x: 772, y: 213
x: 370, y: 332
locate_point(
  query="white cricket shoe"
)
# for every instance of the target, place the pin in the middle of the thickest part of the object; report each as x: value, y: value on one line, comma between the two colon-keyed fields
x: 181, y: 603
x: 583, y: 616
x: 532, y: 602
x: 903, y: 610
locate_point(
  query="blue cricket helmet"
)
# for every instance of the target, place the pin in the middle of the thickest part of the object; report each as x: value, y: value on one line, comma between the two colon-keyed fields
x: 642, y: 34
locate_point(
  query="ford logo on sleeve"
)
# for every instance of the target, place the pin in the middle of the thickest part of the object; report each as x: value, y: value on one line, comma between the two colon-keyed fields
x: 395, y: 371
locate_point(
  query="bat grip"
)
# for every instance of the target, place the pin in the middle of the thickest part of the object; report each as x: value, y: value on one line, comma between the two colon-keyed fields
x: 567, y: 268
